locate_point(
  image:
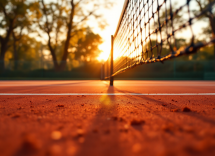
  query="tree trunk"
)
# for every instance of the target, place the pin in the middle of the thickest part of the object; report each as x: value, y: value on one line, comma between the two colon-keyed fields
x: 212, y: 24
x: 2, y: 67
x: 56, y: 65
x: 3, y: 51
x: 4, y: 44
x: 54, y: 59
x: 15, y: 55
x: 62, y: 65
x: 214, y: 57
x: 63, y: 62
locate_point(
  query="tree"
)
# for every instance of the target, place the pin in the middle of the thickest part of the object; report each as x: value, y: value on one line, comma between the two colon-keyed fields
x: 27, y: 56
x: 15, y: 40
x: 88, y: 46
x: 12, y: 15
x: 23, y: 25
x: 210, y: 16
x: 62, y: 20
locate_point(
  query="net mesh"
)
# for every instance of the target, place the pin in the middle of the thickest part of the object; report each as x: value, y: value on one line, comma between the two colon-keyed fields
x: 156, y: 30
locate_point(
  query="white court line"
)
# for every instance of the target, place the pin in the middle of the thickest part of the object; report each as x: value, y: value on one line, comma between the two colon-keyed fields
x: 93, y: 94
x: 102, y: 85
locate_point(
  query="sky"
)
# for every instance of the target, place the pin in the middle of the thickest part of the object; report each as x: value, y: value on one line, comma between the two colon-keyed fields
x: 112, y: 16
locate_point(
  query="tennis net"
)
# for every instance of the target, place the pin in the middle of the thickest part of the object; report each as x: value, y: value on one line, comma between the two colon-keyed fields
x: 157, y: 30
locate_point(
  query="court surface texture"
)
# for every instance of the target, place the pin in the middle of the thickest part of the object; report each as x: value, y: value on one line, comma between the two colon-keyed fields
x: 90, y: 118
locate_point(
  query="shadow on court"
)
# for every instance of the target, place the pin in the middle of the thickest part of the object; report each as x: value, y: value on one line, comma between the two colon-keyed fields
x: 153, y: 102
x: 102, y: 137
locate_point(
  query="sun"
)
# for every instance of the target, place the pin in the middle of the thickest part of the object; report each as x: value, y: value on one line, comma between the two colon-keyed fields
x: 104, y: 55
x: 105, y: 48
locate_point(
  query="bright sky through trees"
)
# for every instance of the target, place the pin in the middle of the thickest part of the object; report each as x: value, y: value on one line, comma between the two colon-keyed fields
x: 112, y: 16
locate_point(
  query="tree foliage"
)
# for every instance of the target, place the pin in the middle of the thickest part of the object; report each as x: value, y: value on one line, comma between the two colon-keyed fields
x: 13, y: 19
x: 208, y: 15
x: 60, y: 23
x: 63, y: 20
x: 87, y: 47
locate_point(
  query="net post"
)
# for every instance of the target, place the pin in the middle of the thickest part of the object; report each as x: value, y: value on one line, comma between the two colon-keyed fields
x: 111, y: 62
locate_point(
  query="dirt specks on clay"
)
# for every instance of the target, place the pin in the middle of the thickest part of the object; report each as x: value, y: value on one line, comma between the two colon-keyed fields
x: 16, y: 116
x: 80, y: 132
x: 115, y: 118
x: 19, y: 108
x: 186, y: 109
x: 31, y: 144
x: 137, y: 122
x: 107, y: 131
x: 60, y: 105
x: 95, y: 130
x: 54, y: 150
x: 125, y: 128
x: 136, y: 148
x: 56, y: 135
x: 122, y: 119
x: 168, y: 127
x: 174, y: 110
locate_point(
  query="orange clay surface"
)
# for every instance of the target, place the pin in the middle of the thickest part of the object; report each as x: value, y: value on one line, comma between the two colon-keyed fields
x: 102, y: 125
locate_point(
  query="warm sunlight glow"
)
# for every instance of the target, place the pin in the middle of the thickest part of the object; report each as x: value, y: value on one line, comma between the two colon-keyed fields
x: 105, y: 47
x: 112, y: 17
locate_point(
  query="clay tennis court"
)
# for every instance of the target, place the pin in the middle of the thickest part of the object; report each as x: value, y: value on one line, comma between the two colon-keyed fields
x: 91, y: 118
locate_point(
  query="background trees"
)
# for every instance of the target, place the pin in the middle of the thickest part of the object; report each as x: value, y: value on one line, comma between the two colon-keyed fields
x: 64, y: 21
x: 87, y: 47
x: 13, y: 19
x: 62, y: 25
